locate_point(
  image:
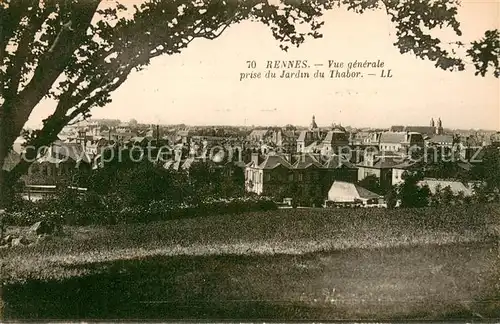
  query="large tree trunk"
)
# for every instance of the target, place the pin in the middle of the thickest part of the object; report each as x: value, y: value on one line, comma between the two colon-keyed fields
x: 3, y: 191
x: 6, y: 189
x: 2, y: 306
x: 6, y: 141
x: 3, y: 204
x: 4, y: 150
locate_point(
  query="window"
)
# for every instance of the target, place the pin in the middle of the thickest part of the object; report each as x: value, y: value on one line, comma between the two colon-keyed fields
x: 290, y: 177
x: 301, y: 178
x: 268, y: 177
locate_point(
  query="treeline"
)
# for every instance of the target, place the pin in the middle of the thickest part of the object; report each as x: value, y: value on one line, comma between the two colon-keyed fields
x: 141, y: 192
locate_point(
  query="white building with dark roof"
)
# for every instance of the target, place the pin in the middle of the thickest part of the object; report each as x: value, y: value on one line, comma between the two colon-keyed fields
x: 345, y: 192
x: 456, y: 187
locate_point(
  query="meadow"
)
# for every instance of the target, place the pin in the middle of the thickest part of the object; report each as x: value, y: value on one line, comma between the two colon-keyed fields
x: 429, y: 263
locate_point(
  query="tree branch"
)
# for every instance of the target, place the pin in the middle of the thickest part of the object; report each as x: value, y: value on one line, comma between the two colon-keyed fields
x: 15, y: 68
x: 52, y: 64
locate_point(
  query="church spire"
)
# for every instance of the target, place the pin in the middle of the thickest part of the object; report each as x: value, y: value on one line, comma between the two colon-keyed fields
x: 313, y: 123
x: 439, y: 128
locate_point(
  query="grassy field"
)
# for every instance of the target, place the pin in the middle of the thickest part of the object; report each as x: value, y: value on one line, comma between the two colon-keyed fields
x: 315, y: 264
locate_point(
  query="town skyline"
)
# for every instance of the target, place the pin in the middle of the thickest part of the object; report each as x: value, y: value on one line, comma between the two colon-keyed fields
x: 200, y: 86
x: 321, y: 125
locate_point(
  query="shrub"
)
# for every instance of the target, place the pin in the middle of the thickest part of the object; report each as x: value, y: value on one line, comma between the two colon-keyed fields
x: 90, y: 209
x: 165, y: 210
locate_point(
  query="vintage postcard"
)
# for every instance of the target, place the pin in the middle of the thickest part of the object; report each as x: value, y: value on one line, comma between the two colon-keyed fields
x: 249, y: 160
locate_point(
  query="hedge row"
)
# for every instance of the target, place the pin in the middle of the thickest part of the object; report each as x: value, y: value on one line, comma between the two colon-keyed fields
x: 155, y: 211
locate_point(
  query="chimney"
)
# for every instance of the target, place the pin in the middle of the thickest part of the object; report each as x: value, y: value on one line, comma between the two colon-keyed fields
x: 255, y: 159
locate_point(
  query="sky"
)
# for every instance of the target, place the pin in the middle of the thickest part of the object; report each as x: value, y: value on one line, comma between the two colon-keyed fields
x: 201, y: 85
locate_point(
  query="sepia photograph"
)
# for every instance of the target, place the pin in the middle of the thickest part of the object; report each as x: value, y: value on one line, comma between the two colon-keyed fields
x: 249, y: 160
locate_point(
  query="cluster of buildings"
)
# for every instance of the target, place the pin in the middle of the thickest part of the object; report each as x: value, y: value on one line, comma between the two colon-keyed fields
x: 337, y: 158
x: 269, y: 160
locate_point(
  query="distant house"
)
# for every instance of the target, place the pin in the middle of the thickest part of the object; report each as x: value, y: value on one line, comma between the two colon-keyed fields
x: 442, y: 140
x: 380, y: 167
x: 312, y: 148
x: 392, y: 141
x: 455, y: 186
x: 272, y: 173
x: 337, y: 167
x: 59, y: 162
x: 308, y: 137
x: 335, y: 140
x: 184, y: 136
x: 397, y: 128
x: 117, y: 136
x: 359, y: 138
x: 399, y: 169
x: 434, y: 128
x: 350, y: 193
x: 426, y: 130
x: 93, y: 147
x: 285, y: 140
x: 309, y: 172
x: 400, y: 141
x: 327, y: 142
x: 259, y: 135
x: 495, y: 139
x: 471, y: 147
x: 308, y: 141
x: 142, y: 141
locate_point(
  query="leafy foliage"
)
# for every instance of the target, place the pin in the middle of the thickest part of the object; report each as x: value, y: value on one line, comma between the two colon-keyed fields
x: 488, y: 170
x: 485, y: 53
x: 91, y: 209
x: 442, y: 169
x: 410, y: 193
x: 446, y: 197
x: 372, y: 183
x: 391, y: 198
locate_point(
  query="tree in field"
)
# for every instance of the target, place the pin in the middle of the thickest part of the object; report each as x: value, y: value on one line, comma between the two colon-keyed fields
x: 132, y: 123
x: 78, y: 52
x: 488, y: 172
x: 371, y: 183
x: 391, y: 197
x: 410, y: 193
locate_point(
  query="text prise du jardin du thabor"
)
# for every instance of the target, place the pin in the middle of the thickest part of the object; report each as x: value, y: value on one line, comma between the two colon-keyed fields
x: 303, y: 69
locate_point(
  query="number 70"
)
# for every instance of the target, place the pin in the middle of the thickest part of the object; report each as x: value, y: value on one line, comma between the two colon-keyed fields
x: 251, y: 64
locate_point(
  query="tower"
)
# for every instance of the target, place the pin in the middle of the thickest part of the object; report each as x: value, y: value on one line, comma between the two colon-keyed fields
x: 439, y: 128
x: 432, y: 123
x: 313, y: 126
